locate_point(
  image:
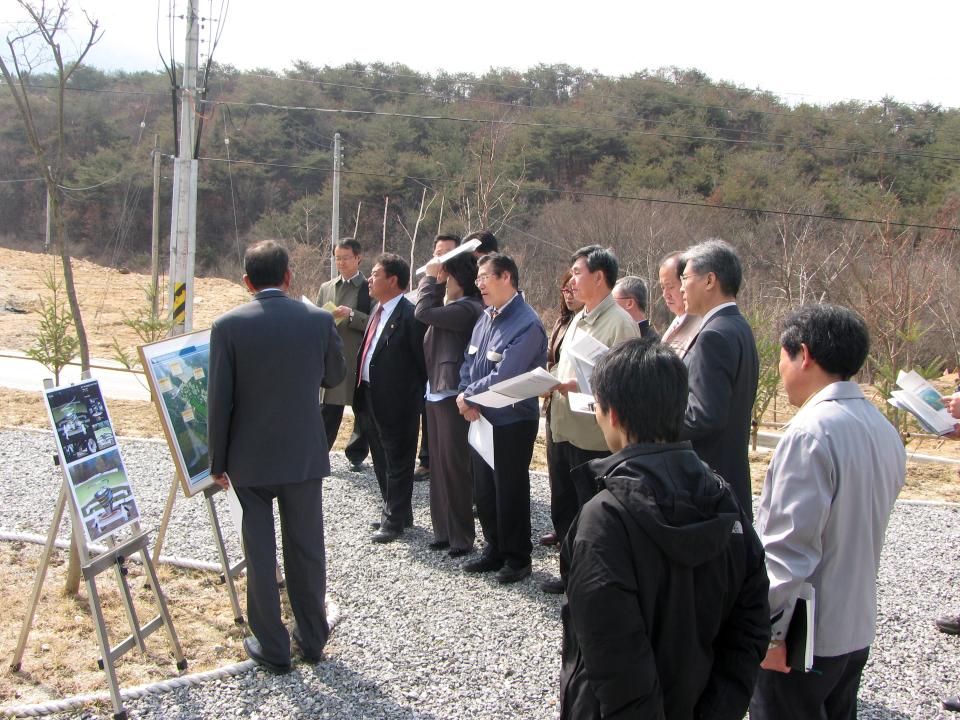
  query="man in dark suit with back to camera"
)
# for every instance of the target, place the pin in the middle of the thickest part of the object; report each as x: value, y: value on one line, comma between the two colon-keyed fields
x: 723, y: 365
x: 268, y: 360
x: 630, y: 293
x: 350, y: 293
x: 392, y: 375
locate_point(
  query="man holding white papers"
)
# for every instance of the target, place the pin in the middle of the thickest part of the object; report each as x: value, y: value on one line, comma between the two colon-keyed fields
x: 508, y: 340
x: 576, y: 437
x: 349, y: 301
x: 823, y: 514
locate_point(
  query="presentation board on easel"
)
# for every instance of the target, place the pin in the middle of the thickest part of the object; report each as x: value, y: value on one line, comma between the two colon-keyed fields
x: 176, y: 369
x: 101, y: 493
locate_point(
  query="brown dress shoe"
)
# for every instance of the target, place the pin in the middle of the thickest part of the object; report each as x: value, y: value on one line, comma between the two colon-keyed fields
x: 549, y: 538
x: 949, y: 624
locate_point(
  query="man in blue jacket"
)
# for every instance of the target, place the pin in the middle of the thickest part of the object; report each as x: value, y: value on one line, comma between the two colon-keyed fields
x: 508, y: 340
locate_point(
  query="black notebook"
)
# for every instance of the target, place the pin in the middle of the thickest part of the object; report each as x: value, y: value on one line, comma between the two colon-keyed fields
x: 800, y: 632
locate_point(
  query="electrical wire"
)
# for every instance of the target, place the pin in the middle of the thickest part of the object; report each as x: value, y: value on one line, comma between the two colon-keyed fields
x: 587, y: 193
x: 569, y: 126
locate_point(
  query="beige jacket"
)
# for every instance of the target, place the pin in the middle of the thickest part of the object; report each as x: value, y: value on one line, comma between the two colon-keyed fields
x: 610, y: 324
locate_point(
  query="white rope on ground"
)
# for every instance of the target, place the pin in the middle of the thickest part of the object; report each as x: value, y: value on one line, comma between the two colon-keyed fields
x: 63, y: 544
x: 80, y: 701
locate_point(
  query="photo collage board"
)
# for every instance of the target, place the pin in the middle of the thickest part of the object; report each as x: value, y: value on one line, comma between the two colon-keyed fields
x: 176, y: 370
x: 97, y: 477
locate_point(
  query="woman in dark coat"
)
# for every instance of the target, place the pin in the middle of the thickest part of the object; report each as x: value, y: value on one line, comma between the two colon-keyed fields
x: 450, y: 327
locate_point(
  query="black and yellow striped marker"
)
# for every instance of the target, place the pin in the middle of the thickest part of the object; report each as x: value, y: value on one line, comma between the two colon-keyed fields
x: 180, y: 303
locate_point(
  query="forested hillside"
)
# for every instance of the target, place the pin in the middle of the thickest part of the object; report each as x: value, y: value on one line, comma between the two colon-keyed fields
x: 551, y: 158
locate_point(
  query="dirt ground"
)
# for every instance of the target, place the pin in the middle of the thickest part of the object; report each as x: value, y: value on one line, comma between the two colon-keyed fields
x: 60, y: 659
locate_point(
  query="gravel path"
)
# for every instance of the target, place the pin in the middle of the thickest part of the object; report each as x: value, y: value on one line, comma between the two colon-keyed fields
x: 419, y: 639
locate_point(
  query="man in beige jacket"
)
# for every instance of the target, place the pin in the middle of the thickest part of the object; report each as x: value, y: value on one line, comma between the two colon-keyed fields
x: 576, y: 437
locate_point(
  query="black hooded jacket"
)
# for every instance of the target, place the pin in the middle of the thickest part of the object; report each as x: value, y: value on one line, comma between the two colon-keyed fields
x: 666, y: 613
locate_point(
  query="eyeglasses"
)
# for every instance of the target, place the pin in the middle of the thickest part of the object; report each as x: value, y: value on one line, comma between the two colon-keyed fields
x: 687, y: 276
x: 620, y: 299
x: 566, y: 291
x: 484, y: 277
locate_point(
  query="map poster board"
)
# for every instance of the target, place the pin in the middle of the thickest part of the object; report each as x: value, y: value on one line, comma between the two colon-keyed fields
x: 89, y: 455
x: 176, y: 369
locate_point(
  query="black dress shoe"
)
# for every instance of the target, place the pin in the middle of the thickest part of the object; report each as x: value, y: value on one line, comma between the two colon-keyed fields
x: 438, y: 545
x: 357, y: 467
x: 458, y: 552
x: 949, y: 624
x: 255, y: 652
x: 421, y: 474
x: 952, y: 703
x: 306, y: 655
x: 508, y: 574
x: 553, y: 586
x: 384, y: 535
x: 482, y: 564
x: 549, y: 538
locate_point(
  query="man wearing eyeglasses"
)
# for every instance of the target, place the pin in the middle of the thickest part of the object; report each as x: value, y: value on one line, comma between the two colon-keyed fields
x: 723, y: 365
x: 630, y: 293
x: 508, y: 340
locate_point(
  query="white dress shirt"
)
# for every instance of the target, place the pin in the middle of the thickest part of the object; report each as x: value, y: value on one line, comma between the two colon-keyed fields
x: 387, y: 310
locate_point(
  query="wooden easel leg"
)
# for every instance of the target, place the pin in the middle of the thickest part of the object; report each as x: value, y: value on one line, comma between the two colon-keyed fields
x: 222, y: 552
x: 165, y: 519
x: 164, y: 611
x: 105, y: 654
x: 38, y: 581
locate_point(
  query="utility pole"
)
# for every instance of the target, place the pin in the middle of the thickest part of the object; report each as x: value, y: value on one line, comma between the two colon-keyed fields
x: 183, y: 222
x: 46, y: 240
x: 335, y: 222
x: 155, y: 235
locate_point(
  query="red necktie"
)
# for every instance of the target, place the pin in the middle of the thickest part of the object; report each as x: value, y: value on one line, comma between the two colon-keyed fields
x: 371, y: 333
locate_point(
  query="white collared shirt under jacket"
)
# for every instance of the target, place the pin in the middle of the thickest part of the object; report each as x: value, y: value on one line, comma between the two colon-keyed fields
x: 823, y: 514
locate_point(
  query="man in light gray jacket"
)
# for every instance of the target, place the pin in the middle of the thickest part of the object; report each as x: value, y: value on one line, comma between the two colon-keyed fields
x: 823, y: 515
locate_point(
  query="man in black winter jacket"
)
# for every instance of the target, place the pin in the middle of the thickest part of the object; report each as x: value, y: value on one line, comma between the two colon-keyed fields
x: 666, y: 613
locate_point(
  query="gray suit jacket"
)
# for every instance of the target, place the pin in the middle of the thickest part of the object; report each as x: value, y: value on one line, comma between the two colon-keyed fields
x: 268, y: 360
x: 353, y: 294
x: 723, y: 369
x: 448, y: 332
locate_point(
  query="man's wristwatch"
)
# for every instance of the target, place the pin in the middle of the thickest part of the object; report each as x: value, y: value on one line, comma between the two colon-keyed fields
x: 351, y: 316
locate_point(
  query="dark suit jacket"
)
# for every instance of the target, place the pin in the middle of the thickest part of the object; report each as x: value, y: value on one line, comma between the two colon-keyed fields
x: 647, y: 331
x: 397, y: 369
x: 448, y: 332
x: 723, y: 369
x: 268, y: 360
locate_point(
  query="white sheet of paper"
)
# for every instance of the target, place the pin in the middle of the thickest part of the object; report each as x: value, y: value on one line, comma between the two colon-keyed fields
x: 236, y: 512
x: 527, y: 385
x: 466, y: 247
x: 585, y: 352
x: 581, y: 402
x: 480, y: 437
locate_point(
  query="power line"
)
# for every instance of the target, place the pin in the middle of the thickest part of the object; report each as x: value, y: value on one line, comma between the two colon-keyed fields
x: 586, y: 193
x: 568, y: 126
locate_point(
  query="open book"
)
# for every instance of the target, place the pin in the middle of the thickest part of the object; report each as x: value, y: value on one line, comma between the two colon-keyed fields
x: 921, y: 399
x: 528, y: 385
x: 800, y: 631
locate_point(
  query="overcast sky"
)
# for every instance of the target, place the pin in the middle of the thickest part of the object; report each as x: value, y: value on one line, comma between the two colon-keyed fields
x: 816, y: 51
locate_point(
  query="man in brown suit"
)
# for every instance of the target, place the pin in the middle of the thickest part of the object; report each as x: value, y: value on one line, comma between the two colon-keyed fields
x: 351, y: 295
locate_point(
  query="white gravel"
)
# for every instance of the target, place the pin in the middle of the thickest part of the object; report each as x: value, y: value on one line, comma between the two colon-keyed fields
x: 420, y: 639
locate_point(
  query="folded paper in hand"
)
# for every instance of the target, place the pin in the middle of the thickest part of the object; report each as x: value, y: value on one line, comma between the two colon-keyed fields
x: 528, y: 385
x: 466, y: 247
